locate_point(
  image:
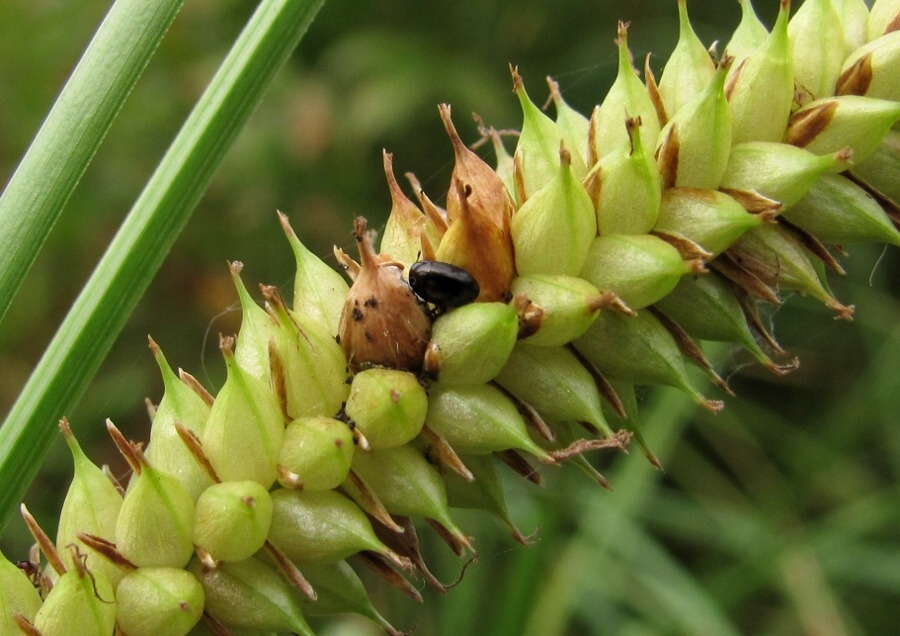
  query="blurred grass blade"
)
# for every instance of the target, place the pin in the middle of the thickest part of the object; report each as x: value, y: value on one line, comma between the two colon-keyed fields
x: 144, y: 240
x: 73, y: 130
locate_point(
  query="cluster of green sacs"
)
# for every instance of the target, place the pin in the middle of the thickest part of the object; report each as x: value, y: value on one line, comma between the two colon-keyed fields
x: 301, y: 452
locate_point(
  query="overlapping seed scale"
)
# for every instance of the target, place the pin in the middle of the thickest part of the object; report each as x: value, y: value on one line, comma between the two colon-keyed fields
x: 603, y: 250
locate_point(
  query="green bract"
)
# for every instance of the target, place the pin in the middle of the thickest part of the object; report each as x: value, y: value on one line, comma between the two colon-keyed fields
x: 318, y: 289
x: 836, y: 210
x: 407, y: 485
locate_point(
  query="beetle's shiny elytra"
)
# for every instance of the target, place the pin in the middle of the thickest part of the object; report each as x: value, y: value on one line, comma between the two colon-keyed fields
x: 442, y: 284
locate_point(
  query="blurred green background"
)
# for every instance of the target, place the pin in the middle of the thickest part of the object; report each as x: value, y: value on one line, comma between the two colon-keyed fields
x: 780, y: 515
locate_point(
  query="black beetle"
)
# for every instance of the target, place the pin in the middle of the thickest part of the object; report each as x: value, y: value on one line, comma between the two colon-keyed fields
x: 442, y: 284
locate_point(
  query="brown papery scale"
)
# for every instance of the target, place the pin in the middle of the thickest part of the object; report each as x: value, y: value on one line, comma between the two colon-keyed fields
x: 383, y: 323
x: 478, y: 238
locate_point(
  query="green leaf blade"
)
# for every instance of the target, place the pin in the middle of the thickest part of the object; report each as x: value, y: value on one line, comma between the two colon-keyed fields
x: 73, y: 130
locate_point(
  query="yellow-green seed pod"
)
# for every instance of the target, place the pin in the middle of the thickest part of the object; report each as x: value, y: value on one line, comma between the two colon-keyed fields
x: 640, y: 269
x: 569, y: 303
x: 638, y: 350
x: 258, y: 328
x: 871, y: 70
x: 854, y: 17
x: 232, y: 520
x: 320, y: 527
x: 156, y: 522
x: 847, y: 121
x: 747, y: 37
x: 760, y: 90
x: 244, y: 432
x: 710, y: 218
x: 818, y: 48
x: 555, y: 382
x: 319, y: 291
x: 388, y: 406
x: 406, y: 484
x: 779, y: 171
x: 627, y: 97
x: 249, y: 595
x: 479, y: 419
x: 470, y: 344
x: 879, y: 172
x: 153, y: 601
x: 838, y: 211
x: 17, y: 596
x: 689, y: 68
x: 883, y: 18
x: 553, y: 229
x: 628, y: 398
x: 575, y: 127
x: 339, y: 590
x: 311, y: 371
x: 81, y: 602
x: 694, y: 144
x: 537, y: 152
x: 485, y: 492
x: 777, y: 258
x: 92, y: 505
x: 628, y: 186
x: 707, y: 308
x: 166, y: 450
x: 316, y: 454
x: 506, y: 166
